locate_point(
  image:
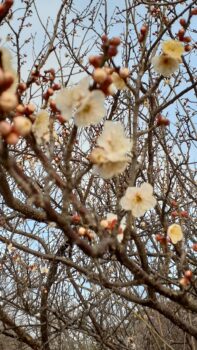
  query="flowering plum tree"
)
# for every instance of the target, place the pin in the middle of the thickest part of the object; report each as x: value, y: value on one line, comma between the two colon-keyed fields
x: 97, y: 174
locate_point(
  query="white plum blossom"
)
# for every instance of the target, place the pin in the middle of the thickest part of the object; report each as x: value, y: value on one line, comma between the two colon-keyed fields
x: 86, y: 106
x: 110, y: 158
x: 90, y: 109
x: 110, y: 169
x: 114, y: 142
x: 64, y: 102
x: 6, y: 62
x: 175, y: 233
x: 118, y: 81
x: 165, y: 65
x: 40, y: 127
x: 138, y: 199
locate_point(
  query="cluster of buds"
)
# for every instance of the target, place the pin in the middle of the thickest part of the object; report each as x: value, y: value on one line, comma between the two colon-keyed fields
x: 48, y: 77
x: 21, y: 124
x: 86, y: 233
x: 182, y: 214
x: 110, y: 223
x: 4, y: 8
x: 182, y: 37
x: 155, y: 11
x: 104, y: 75
x: 162, y: 121
x: 109, y: 79
x: 186, y: 279
x: 8, y: 100
x: 143, y: 32
x: 109, y: 47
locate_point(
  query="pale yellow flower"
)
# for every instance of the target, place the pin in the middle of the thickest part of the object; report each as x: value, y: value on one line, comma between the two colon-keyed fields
x: 90, y: 110
x: 40, y: 127
x: 165, y: 65
x: 114, y: 142
x: 110, y: 157
x: 44, y: 270
x: 110, y: 169
x: 175, y: 233
x: 64, y: 102
x: 8, y: 101
x: 86, y: 106
x: 118, y: 81
x: 138, y: 199
x: 173, y: 48
x: 7, y: 66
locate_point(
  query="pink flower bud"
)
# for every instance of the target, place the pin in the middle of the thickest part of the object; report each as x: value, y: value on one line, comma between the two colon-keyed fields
x: 5, y: 128
x: 184, y: 282
x: 99, y: 75
x: 22, y: 87
x: 12, y: 138
x: 104, y: 223
x: 8, y: 101
x: 30, y: 108
x: 82, y: 231
x: 188, y: 274
x: 124, y: 73
x: 20, y: 109
x: 22, y: 125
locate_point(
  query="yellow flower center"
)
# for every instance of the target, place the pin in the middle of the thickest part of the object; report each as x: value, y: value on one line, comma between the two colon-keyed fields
x: 138, y: 198
x: 87, y: 109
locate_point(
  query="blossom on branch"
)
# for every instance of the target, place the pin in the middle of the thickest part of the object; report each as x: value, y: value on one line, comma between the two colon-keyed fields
x: 118, y: 81
x: 165, y: 64
x: 6, y: 64
x: 138, y: 200
x: 168, y: 62
x: 86, y: 106
x: 175, y: 233
x: 110, y: 157
x: 173, y: 48
x: 40, y: 127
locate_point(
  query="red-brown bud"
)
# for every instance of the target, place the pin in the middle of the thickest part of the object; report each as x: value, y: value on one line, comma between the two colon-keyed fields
x: 112, y: 51
x: 184, y: 214
x: 161, y: 121
x: 174, y: 203
x: 194, y: 247
x: 143, y: 30
x: 188, y: 274
x: 182, y: 22
x: 12, y: 138
x: 22, y: 87
x: 187, y: 48
x: 104, y: 38
x: 5, y: 128
x: 56, y: 87
x: 194, y: 11
x: 76, y: 218
x: 181, y: 33
x: 115, y: 41
x: 174, y: 214
x: 96, y: 61
x: 141, y: 38
x: 184, y: 282
x: 187, y: 39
